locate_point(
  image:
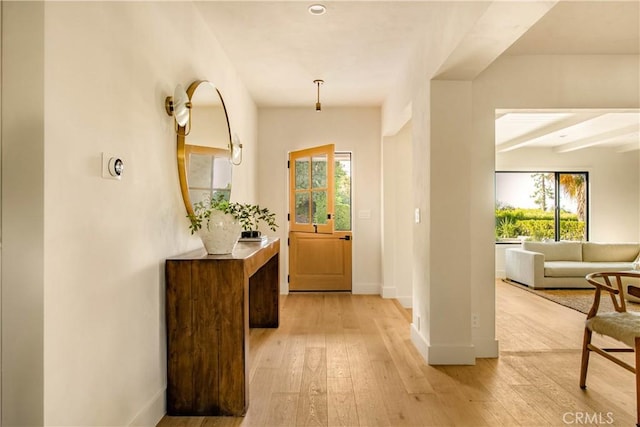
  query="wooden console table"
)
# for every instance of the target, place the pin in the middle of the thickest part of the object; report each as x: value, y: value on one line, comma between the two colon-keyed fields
x: 211, y: 302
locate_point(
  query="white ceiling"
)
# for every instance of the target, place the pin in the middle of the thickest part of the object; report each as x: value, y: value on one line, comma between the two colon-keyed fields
x: 584, y: 28
x: 360, y: 48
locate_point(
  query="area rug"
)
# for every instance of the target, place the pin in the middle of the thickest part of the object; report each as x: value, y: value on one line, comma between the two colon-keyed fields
x: 576, y: 299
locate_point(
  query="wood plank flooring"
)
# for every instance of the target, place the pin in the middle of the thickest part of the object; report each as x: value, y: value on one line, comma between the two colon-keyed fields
x: 347, y: 360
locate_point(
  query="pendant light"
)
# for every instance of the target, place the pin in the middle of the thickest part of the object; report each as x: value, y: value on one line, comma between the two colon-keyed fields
x: 318, y: 105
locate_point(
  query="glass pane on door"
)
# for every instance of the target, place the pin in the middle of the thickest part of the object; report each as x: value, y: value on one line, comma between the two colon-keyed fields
x: 319, y: 171
x: 303, y: 213
x: 319, y: 207
x: 302, y: 173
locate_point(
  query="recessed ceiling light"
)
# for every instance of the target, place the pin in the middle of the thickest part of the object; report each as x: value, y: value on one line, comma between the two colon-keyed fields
x: 317, y: 9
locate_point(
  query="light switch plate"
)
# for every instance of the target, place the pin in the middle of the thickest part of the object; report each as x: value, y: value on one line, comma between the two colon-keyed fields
x: 417, y: 215
x: 364, y: 214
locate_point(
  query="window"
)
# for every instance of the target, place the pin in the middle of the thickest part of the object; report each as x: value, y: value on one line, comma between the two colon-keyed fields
x: 342, y: 183
x: 541, y: 206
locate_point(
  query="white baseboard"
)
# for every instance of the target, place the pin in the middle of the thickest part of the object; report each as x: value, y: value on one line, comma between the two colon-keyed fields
x: 406, y: 302
x: 419, y: 342
x: 392, y: 292
x: 452, y: 355
x: 364, y: 288
x: 152, y: 413
x: 388, y: 292
x: 487, y: 349
x: 501, y: 274
x: 356, y: 289
x: 442, y: 355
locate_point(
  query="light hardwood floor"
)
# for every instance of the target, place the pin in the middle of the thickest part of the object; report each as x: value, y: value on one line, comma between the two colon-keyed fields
x: 347, y: 360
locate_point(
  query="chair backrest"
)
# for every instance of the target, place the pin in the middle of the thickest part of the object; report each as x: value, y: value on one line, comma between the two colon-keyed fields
x: 613, y: 283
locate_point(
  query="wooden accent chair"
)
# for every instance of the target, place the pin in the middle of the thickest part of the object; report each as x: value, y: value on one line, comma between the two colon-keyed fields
x: 620, y: 325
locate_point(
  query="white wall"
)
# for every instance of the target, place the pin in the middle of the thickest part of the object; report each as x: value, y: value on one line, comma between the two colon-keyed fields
x: 398, y: 214
x: 1, y: 121
x: 357, y: 130
x: 23, y: 218
x: 108, y: 67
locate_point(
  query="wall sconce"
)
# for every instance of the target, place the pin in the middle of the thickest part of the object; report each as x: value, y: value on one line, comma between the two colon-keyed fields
x: 318, y: 105
x: 236, y: 151
x: 179, y: 106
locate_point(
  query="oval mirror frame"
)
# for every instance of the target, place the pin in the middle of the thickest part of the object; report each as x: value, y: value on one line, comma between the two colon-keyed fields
x: 208, y: 143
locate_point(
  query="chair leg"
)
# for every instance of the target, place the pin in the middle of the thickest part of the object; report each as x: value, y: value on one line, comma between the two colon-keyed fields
x: 637, y: 366
x: 585, y: 358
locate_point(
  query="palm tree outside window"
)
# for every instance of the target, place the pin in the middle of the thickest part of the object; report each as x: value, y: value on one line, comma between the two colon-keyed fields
x: 541, y: 206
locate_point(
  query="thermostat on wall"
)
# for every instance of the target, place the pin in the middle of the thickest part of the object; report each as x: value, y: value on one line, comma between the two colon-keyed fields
x: 112, y: 166
x: 116, y: 167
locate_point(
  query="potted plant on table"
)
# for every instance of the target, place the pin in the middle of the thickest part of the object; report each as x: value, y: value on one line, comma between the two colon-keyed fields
x: 250, y: 217
x: 220, y: 222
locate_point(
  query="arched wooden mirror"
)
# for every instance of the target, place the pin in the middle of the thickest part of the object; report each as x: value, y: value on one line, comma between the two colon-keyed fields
x: 203, y: 147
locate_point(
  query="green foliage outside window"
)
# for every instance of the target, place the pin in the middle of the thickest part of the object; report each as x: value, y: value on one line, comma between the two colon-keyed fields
x: 342, y: 204
x: 536, y: 224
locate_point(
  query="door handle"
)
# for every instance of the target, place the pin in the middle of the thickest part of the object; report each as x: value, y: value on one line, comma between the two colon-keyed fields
x: 345, y: 238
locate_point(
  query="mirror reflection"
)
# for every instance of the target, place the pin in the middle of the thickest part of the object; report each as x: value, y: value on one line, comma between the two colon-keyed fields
x: 203, y: 154
x: 208, y: 175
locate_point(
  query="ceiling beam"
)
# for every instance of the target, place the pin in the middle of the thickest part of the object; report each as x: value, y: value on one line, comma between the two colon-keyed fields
x: 633, y: 146
x: 597, y: 139
x: 529, y: 138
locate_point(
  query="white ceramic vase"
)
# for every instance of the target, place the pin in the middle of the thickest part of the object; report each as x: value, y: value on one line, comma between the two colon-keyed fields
x: 221, y: 234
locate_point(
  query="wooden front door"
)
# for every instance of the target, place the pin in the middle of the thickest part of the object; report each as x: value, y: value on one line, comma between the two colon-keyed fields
x: 319, y: 256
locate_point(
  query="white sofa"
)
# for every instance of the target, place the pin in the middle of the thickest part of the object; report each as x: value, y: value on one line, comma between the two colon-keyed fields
x: 564, y: 264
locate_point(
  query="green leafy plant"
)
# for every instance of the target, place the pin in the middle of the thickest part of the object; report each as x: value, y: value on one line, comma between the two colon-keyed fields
x: 249, y: 216
x: 537, y: 224
x: 507, y: 228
